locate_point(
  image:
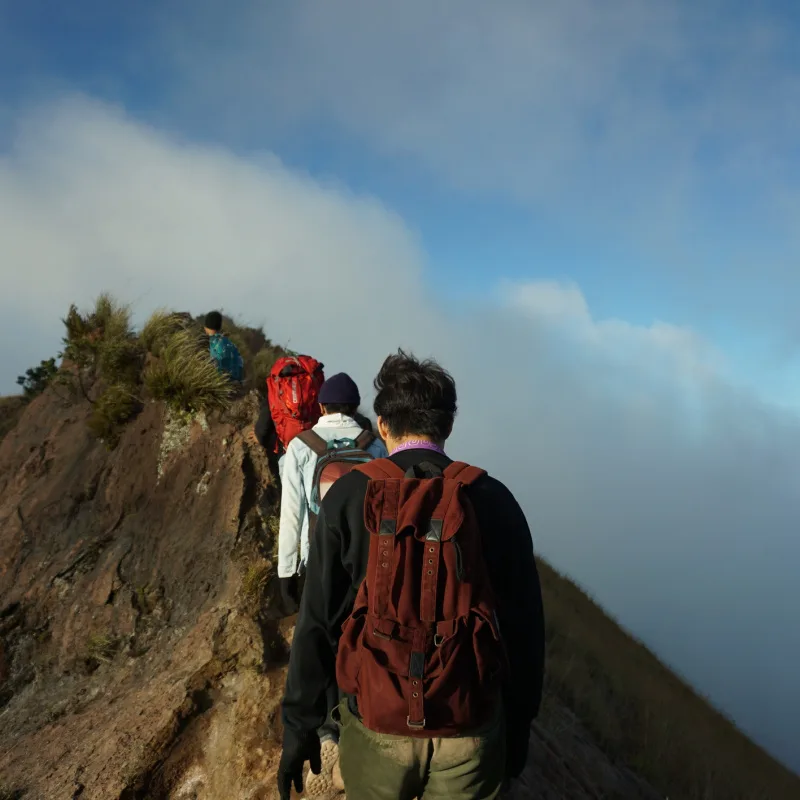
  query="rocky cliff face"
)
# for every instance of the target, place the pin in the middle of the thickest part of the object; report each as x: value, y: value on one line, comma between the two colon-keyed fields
x: 140, y: 656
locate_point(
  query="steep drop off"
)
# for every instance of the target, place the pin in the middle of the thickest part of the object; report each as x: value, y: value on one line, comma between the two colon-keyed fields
x: 139, y: 653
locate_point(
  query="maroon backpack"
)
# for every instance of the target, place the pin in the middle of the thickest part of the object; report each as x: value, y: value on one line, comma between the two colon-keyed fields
x: 421, y: 651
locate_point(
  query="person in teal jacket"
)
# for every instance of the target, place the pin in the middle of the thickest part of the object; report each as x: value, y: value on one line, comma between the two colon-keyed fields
x: 223, y: 351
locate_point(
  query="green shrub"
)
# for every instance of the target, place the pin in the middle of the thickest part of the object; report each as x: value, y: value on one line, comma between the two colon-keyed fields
x: 185, y: 377
x: 102, y: 342
x: 113, y: 408
x: 120, y: 360
x: 37, y: 379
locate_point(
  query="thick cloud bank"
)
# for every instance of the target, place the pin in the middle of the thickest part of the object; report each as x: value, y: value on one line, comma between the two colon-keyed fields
x: 667, y: 491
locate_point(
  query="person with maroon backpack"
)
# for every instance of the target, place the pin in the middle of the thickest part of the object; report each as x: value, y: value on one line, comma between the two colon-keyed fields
x: 422, y: 603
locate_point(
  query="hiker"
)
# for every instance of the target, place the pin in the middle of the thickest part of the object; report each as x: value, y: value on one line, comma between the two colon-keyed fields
x: 336, y: 432
x: 223, y: 351
x: 292, y: 405
x: 422, y: 603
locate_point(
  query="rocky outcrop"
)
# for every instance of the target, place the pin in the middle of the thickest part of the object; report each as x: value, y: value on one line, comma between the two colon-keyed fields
x: 140, y: 656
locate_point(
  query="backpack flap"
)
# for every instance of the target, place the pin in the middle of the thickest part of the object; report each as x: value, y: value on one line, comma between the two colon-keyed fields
x: 423, y: 508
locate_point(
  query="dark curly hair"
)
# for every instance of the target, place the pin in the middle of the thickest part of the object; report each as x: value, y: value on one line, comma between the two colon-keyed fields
x: 415, y: 398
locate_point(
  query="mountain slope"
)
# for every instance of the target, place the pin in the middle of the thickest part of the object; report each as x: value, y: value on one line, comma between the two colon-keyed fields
x: 141, y: 656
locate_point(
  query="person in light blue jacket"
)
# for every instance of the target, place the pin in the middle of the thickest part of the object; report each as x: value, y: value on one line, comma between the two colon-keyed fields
x: 339, y: 399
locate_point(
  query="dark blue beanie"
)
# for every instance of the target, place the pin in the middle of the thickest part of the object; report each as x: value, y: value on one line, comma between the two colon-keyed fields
x: 341, y: 389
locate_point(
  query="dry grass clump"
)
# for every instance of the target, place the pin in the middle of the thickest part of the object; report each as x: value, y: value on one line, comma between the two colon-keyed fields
x: 185, y: 377
x: 255, y: 579
x: 101, y: 648
x: 159, y: 328
x: 642, y: 713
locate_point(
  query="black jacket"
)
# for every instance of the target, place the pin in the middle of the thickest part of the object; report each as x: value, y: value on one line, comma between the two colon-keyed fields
x: 265, y: 429
x: 337, y: 564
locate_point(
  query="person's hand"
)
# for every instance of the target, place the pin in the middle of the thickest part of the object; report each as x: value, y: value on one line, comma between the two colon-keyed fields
x: 250, y: 435
x: 293, y: 760
x: 291, y: 604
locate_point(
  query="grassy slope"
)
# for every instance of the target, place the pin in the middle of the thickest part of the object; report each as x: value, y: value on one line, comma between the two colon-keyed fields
x: 642, y: 713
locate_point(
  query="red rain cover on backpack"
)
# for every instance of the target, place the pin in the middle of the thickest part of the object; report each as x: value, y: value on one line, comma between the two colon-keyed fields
x: 421, y: 651
x: 293, y: 390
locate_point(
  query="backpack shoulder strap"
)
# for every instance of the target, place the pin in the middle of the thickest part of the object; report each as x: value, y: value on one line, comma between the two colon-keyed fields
x: 364, y: 439
x: 313, y: 440
x: 381, y: 469
x: 463, y: 473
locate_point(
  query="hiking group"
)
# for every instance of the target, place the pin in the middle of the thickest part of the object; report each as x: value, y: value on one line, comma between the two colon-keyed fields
x: 417, y: 659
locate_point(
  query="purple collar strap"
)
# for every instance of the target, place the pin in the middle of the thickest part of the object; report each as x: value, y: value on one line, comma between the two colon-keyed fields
x: 418, y: 444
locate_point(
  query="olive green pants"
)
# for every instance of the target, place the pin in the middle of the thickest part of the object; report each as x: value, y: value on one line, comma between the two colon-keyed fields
x: 377, y: 766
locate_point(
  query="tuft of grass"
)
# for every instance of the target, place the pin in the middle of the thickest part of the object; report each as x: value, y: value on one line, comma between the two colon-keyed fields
x: 110, y: 318
x: 643, y: 714
x: 185, y: 377
x: 112, y: 409
x: 101, y: 648
x: 254, y: 580
x: 159, y: 328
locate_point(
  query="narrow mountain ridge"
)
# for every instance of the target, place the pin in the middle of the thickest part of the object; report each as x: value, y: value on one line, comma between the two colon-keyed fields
x: 141, y: 655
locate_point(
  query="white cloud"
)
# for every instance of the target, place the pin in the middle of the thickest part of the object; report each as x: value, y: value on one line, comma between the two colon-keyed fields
x: 644, y: 472
x: 664, y: 130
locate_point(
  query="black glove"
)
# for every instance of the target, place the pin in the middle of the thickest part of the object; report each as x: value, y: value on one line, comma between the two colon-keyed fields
x: 293, y: 760
x: 518, y: 736
x: 291, y: 604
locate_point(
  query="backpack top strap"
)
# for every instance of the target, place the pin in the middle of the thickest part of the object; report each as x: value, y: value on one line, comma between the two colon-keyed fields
x: 364, y: 439
x: 313, y: 440
x: 463, y: 473
x: 380, y: 469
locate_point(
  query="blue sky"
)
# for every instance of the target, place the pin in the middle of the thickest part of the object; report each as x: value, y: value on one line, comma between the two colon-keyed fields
x: 596, y: 204
x: 652, y: 225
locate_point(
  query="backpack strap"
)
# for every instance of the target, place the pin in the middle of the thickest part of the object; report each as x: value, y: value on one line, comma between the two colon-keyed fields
x: 463, y: 473
x: 313, y: 440
x: 381, y: 469
x: 364, y: 439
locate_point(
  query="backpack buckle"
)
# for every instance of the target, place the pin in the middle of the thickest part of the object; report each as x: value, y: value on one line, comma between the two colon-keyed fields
x: 415, y: 725
x: 438, y: 639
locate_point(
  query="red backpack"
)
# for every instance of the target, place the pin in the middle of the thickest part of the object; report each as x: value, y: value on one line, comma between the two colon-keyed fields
x: 293, y: 390
x: 421, y: 651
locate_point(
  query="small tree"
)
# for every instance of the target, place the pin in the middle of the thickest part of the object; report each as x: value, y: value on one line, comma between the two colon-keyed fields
x: 36, y: 379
